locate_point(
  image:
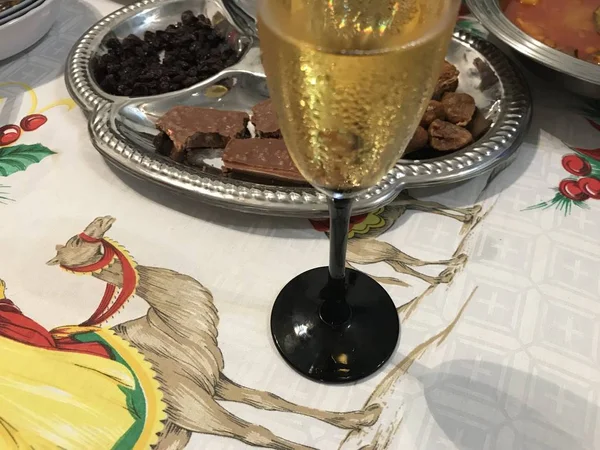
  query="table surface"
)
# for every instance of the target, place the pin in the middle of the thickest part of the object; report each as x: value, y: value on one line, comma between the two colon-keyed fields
x: 496, y: 283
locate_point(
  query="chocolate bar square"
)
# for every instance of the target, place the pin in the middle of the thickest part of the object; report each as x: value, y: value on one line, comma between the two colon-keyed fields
x: 193, y: 127
x: 265, y: 120
x: 261, y: 157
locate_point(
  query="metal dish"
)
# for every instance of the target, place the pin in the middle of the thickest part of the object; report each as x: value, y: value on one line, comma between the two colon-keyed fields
x: 574, y: 74
x: 122, y: 131
x: 153, y: 15
x: 122, y: 128
x: 248, y: 7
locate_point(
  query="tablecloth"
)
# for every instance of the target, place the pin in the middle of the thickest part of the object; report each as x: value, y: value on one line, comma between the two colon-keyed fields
x: 133, y: 317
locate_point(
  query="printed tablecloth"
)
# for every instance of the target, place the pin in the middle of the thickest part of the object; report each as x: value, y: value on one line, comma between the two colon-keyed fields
x: 496, y: 282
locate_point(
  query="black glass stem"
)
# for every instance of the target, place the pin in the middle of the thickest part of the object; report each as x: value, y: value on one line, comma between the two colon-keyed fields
x: 335, y: 324
x: 335, y: 309
x: 340, y: 211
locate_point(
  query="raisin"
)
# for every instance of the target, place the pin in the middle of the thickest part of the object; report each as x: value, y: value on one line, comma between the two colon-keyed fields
x: 151, y: 38
x: 161, y: 37
x: 108, y: 59
x: 109, y: 84
x: 189, y: 81
x: 163, y: 86
x: 139, y: 89
x: 188, y: 18
x: 123, y: 90
x: 113, y: 68
x: 113, y: 43
x: 204, y: 20
x: 195, y: 47
x: 191, y: 51
x: 231, y: 60
x: 182, y: 65
x: 131, y: 41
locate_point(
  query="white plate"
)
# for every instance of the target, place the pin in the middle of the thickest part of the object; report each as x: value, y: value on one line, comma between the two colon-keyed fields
x: 16, y: 8
x: 21, y: 12
x: 22, y: 32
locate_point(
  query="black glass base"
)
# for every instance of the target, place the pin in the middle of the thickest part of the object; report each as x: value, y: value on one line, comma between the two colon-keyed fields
x: 337, y: 346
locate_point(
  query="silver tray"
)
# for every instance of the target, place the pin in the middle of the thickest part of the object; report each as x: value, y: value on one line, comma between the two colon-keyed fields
x: 122, y: 128
x: 574, y: 74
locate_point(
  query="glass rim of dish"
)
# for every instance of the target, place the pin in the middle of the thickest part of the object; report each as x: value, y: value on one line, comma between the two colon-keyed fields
x: 448, y: 18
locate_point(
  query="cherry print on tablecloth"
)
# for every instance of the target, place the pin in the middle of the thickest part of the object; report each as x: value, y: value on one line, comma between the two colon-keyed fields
x: 590, y: 187
x: 570, y: 189
x: 576, y: 165
x: 32, y: 122
x: 584, y: 165
x: 9, y: 134
x: 17, y: 157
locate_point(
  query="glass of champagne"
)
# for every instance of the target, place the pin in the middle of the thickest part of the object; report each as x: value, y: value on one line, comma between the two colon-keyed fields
x: 350, y: 80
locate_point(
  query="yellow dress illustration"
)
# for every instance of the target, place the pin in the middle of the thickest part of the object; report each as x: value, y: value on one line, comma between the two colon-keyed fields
x: 93, y: 392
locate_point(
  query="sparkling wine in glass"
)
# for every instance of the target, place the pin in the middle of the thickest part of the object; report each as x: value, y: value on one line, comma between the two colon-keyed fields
x: 350, y: 80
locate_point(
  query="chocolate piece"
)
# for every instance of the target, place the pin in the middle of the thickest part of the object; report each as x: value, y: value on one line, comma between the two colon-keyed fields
x: 447, y: 82
x: 193, y: 127
x: 447, y: 137
x: 164, y: 145
x: 265, y: 121
x: 459, y: 108
x: 479, y: 125
x: 487, y: 74
x: 435, y: 110
x: 418, y: 141
x: 262, y: 157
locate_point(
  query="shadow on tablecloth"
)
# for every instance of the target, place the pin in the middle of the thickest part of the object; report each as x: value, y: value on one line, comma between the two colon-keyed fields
x: 269, y: 226
x: 45, y: 61
x: 480, y: 405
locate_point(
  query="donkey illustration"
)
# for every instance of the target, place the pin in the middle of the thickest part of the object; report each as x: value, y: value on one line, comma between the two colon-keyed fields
x: 178, y: 336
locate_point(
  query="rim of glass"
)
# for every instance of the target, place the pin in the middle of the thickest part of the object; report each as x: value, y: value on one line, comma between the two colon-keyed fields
x: 448, y: 18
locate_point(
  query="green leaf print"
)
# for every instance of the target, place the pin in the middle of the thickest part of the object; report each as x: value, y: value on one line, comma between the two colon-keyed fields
x: 19, y: 157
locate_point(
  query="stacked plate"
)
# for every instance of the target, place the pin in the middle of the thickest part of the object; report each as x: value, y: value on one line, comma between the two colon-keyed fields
x: 23, y: 23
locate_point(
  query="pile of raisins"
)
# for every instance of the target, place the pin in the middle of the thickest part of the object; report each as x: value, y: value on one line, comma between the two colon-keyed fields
x: 193, y: 51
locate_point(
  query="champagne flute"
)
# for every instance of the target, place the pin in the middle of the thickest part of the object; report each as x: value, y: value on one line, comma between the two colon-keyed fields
x: 350, y: 80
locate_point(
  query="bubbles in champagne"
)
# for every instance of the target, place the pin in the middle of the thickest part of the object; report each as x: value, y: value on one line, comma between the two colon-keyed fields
x: 348, y: 95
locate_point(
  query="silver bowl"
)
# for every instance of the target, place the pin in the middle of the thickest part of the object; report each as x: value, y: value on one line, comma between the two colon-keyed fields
x: 574, y: 74
x: 229, y: 21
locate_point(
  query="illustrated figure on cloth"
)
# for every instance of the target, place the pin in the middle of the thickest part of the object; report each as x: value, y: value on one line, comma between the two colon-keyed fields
x: 118, y: 398
x: 89, y: 389
x: 364, y: 247
x: 150, y: 382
